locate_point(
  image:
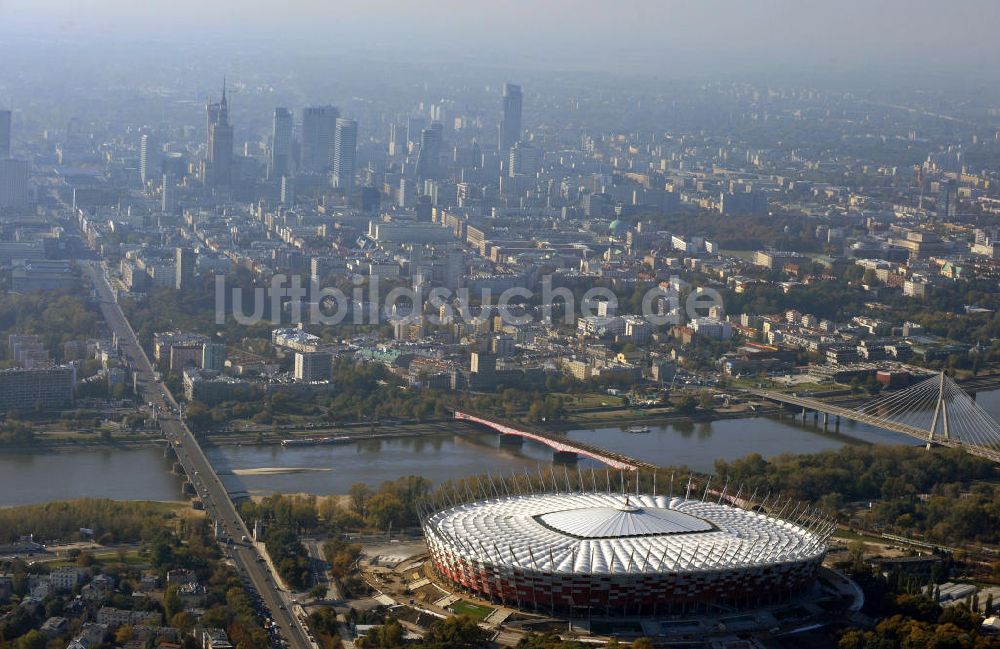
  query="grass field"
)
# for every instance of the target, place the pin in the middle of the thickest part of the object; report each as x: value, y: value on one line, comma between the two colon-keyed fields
x: 132, y: 558
x: 476, y: 611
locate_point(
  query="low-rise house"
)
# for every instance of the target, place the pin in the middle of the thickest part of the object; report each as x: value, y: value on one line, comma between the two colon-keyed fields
x: 214, y: 638
x: 115, y: 617
x: 90, y: 636
x: 54, y: 627
x: 191, y: 594
x: 100, y: 587
x: 66, y: 578
x: 180, y: 576
x: 146, y: 632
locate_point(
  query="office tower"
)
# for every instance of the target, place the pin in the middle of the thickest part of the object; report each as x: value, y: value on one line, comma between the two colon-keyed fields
x: 14, y: 187
x: 525, y: 160
x: 510, y: 123
x: 752, y: 202
x: 454, y: 269
x: 149, y: 158
x: 947, y: 201
x: 318, y: 127
x: 397, y: 140
x: 174, y: 164
x: 5, y: 120
x: 313, y: 366
x: 183, y: 268
x: 40, y: 389
x: 424, y: 209
x: 213, y: 356
x: 287, y: 190
x: 345, y: 149
x: 429, y: 157
x: 218, y: 169
x: 414, y: 125
x: 281, y: 145
x: 168, y: 196
x: 407, y: 196
x: 371, y: 199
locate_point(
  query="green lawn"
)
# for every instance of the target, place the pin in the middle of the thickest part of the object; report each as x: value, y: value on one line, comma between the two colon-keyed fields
x: 746, y: 255
x: 104, y: 558
x: 476, y: 611
x: 592, y: 400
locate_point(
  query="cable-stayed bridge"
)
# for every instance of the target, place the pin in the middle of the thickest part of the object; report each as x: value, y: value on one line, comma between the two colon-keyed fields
x: 935, y: 411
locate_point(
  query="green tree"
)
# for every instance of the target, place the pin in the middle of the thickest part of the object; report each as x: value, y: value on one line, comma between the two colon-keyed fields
x: 172, y: 603
x: 360, y: 493
x: 385, y: 509
x: 386, y: 636
x: 33, y: 639
x: 456, y: 632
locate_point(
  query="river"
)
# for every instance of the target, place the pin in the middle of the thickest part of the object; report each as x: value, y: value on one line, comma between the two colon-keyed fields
x: 121, y: 474
x: 143, y: 473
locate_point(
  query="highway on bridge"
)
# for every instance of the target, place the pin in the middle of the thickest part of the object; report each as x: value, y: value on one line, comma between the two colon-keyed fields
x: 213, y: 494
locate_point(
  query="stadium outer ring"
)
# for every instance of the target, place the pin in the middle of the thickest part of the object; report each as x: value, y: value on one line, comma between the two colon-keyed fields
x: 490, y: 548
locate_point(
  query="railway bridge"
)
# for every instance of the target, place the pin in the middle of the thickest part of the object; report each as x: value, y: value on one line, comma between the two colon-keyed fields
x: 562, y: 449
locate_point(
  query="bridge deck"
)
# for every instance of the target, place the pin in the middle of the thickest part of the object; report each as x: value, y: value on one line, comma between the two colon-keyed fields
x: 610, y: 458
x: 872, y: 420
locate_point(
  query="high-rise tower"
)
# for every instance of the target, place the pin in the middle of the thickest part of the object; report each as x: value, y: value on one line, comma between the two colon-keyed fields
x: 149, y: 158
x: 429, y: 157
x: 345, y: 151
x: 510, y: 123
x: 5, y: 133
x: 218, y: 169
x: 318, y: 126
x: 281, y: 145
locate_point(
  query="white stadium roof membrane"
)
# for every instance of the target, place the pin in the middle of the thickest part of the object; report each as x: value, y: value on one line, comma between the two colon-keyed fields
x: 606, y: 533
x: 623, y: 520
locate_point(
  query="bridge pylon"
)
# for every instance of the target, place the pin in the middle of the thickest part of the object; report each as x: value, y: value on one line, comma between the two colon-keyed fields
x: 940, y: 412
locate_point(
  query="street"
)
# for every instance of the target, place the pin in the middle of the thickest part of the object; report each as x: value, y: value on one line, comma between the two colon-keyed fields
x: 210, y: 489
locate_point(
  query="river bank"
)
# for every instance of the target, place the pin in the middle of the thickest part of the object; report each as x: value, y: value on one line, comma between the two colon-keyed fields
x: 299, y: 436
x: 593, y: 417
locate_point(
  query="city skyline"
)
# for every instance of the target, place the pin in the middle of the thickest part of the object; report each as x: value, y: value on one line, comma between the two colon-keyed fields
x: 382, y: 325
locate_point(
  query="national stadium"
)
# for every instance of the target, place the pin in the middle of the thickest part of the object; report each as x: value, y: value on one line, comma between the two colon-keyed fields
x: 621, y: 554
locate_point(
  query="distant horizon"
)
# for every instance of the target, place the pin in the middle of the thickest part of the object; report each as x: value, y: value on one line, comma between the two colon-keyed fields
x: 890, y: 40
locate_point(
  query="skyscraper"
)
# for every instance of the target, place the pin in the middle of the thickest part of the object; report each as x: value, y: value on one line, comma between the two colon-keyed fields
x: 149, y: 159
x: 510, y: 123
x: 397, y: 140
x: 5, y: 119
x: 947, y: 201
x: 218, y: 169
x: 168, y: 199
x: 15, y: 188
x: 318, y: 126
x: 183, y: 268
x: 525, y: 160
x: 281, y: 145
x: 429, y: 157
x: 287, y: 190
x: 414, y: 125
x: 345, y: 150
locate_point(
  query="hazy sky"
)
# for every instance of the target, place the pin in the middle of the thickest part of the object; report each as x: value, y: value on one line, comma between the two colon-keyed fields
x: 839, y: 35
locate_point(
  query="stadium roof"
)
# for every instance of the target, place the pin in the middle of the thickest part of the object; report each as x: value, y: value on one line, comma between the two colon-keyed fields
x: 622, y: 521
x: 610, y: 533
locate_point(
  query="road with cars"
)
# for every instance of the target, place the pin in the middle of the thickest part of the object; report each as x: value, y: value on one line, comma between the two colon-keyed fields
x: 272, y: 602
